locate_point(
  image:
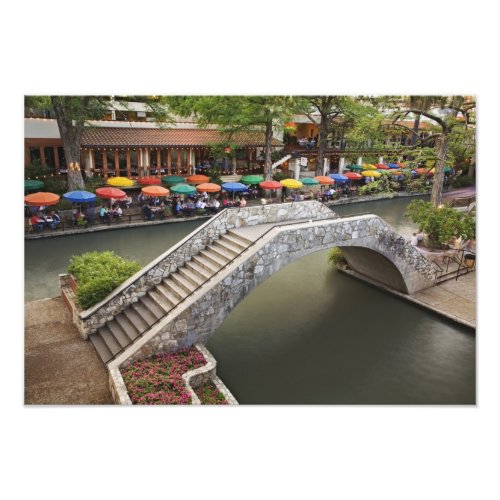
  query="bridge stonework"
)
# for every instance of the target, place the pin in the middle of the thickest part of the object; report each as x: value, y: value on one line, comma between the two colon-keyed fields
x: 370, y: 245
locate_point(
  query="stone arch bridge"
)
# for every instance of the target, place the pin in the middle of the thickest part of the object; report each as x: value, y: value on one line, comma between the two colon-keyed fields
x: 181, y: 297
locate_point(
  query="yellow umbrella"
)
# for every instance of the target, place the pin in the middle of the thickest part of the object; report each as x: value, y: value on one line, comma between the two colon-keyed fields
x: 291, y: 183
x: 368, y: 166
x: 120, y: 182
x: 371, y: 173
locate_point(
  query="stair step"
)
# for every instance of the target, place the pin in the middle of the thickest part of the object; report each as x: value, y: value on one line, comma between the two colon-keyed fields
x: 153, y: 306
x: 118, y: 333
x: 174, y: 288
x: 244, y: 241
x: 160, y: 300
x: 101, y: 347
x: 204, y: 273
x: 221, y: 253
x: 226, y: 247
x: 141, y: 309
x: 140, y: 324
x: 237, y: 243
x: 166, y: 292
x: 214, y: 258
x: 180, y: 281
x: 127, y: 326
x: 204, y: 263
x: 109, y: 339
x: 194, y: 278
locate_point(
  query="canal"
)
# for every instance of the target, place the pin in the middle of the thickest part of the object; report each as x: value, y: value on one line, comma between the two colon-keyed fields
x: 307, y: 335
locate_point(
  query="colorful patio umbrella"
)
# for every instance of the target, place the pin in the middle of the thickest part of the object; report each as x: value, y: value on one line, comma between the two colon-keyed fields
x: 155, y: 191
x: 173, y: 179
x: 368, y: 166
x: 251, y: 179
x: 339, y: 177
x: 183, y: 189
x: 381, y: 166
x: 149, y: 181
x: 120, y: 182
x: 41, y: 199
x: 208, y: 187
x: 197, y: 179
x: 353, y: 176
x: 309, y: 181
x: 324, y: 179
x: 424, y: 171
x: 392, y: 165
x: 270, y: 185
x: 234, y: 187
x: 370, y: 173
x: 110, y: 192
x: 31, y: 184
x: 354, y: 167
x: 447, y: 170
x: 291, y: 183
x: 79, y: 196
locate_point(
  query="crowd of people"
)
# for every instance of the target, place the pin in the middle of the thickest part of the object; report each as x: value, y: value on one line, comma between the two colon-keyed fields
x: 305, y: 143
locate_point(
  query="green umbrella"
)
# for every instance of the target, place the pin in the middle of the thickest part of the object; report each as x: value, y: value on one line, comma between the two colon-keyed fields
x: 173, y: 179
x: 354, y: 167
x: 251, y: 179
x: 183, y: 189
x: 30, y: 184
x: 309, y: 181
x: 447, y: 170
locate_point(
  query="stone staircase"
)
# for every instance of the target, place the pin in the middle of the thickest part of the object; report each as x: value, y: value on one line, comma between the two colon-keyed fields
x: 137, y: 318
x: 280, y: 162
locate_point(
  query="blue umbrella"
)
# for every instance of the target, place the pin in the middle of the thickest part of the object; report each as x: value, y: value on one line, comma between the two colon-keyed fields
x: 393, y: 165
x: 234, y: 187
x: 339, y: 177
x: 79, y: 196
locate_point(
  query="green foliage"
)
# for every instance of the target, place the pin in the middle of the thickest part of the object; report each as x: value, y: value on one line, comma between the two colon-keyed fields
x: 336, y: 257
x: 98, y: 274
x: 56, y: 185
x: 36, y: 169
x: 463, y: 181
x: 92, y: 183
x: 441, y: 223
x: 383, y: 185
x: 279, y: 176
x: 214, y: 173
x: 417, y: 185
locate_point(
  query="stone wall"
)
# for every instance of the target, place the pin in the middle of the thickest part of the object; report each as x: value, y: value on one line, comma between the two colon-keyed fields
x: 198, y: 318
x: 135, y: 287
x: 67, y: 286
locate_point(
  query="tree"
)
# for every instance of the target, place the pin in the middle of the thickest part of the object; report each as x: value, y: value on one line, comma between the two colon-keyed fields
x: 74, y: 112
x: 352, y: 110
x: 238, y: 113
x: 447, y: 113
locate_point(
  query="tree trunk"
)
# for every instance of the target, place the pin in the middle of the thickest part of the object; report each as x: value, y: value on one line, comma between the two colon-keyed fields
x: 322, y: 143
x: 71, y: 136
x: 416, y: 126
x: 437, y: 183
x: 268, y: 149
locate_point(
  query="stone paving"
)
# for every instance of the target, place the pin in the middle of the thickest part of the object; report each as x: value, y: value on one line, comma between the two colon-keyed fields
x: 59, y: 367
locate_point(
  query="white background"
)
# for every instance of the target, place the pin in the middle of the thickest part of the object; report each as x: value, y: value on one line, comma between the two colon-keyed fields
x: 224, y: 47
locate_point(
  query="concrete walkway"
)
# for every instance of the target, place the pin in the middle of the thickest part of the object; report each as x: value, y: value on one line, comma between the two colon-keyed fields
x: 60, y: 368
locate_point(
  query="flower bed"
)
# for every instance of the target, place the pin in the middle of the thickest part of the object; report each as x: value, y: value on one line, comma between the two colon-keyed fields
x: 210, y: 395
x: 158, y: 380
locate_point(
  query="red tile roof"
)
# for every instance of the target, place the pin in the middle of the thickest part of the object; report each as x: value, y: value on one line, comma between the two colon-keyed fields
x: 154, y: 137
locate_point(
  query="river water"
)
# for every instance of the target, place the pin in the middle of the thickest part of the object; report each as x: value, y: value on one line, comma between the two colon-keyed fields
x: 307, y: 335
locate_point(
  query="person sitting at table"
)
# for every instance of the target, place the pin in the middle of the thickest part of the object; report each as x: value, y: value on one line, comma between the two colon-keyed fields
x: 189, y: 210
x: 148, y: 213
x: 225, y: 203
x: 56, y: 219
x: 118, y: 212
x: 37, y: 223
x: 103, y: 213
x: 243, y: 202
x: 178, y: 207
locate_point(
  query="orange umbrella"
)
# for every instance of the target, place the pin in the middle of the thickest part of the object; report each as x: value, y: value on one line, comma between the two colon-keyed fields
x: 197, y: 179
x: 41, y: 199
x: 208, y: 187
x: 270, y: 185
x: 323, y: 179
x: 353, y: 176
x: 110, y: 192
x: 155, y: 191
x: 149, y: 180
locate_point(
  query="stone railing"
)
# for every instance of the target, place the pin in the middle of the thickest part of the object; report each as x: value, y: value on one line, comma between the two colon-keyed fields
x: 167, y: 263
x: 193, y: 379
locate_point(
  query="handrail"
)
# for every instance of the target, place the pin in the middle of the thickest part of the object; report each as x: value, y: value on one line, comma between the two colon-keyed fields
x: 204, y: 283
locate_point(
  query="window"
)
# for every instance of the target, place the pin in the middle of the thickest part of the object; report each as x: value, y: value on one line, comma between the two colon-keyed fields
x: 153, y: 162
x: 110, y: 156
x: 35, y: 155
x: 50, y: 157
x: 62, y: 160
x: 122, y: 162
x: 134, y: 162
x: 98, y: 162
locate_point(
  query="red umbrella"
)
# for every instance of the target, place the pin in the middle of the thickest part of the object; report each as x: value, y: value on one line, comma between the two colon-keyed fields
x: 422, y: 171
x: 382, y: 166
x: 149, y: 180
x: 155, y: 191
x: 110, y: 192
x: 353, y: 176
x: 41, y: 199
x: 270, y: 185
x: 208, y: 187
x: 197, y: 179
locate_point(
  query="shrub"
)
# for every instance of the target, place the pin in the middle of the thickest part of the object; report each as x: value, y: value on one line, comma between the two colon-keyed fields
x: 279, y: 176
x: 92, y: 183
x: 56, y: 185
x: 463, y: 181
x: 336, y: 257
x: 98, y: 274
x: 210, y: 395
x: 441, y: 223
